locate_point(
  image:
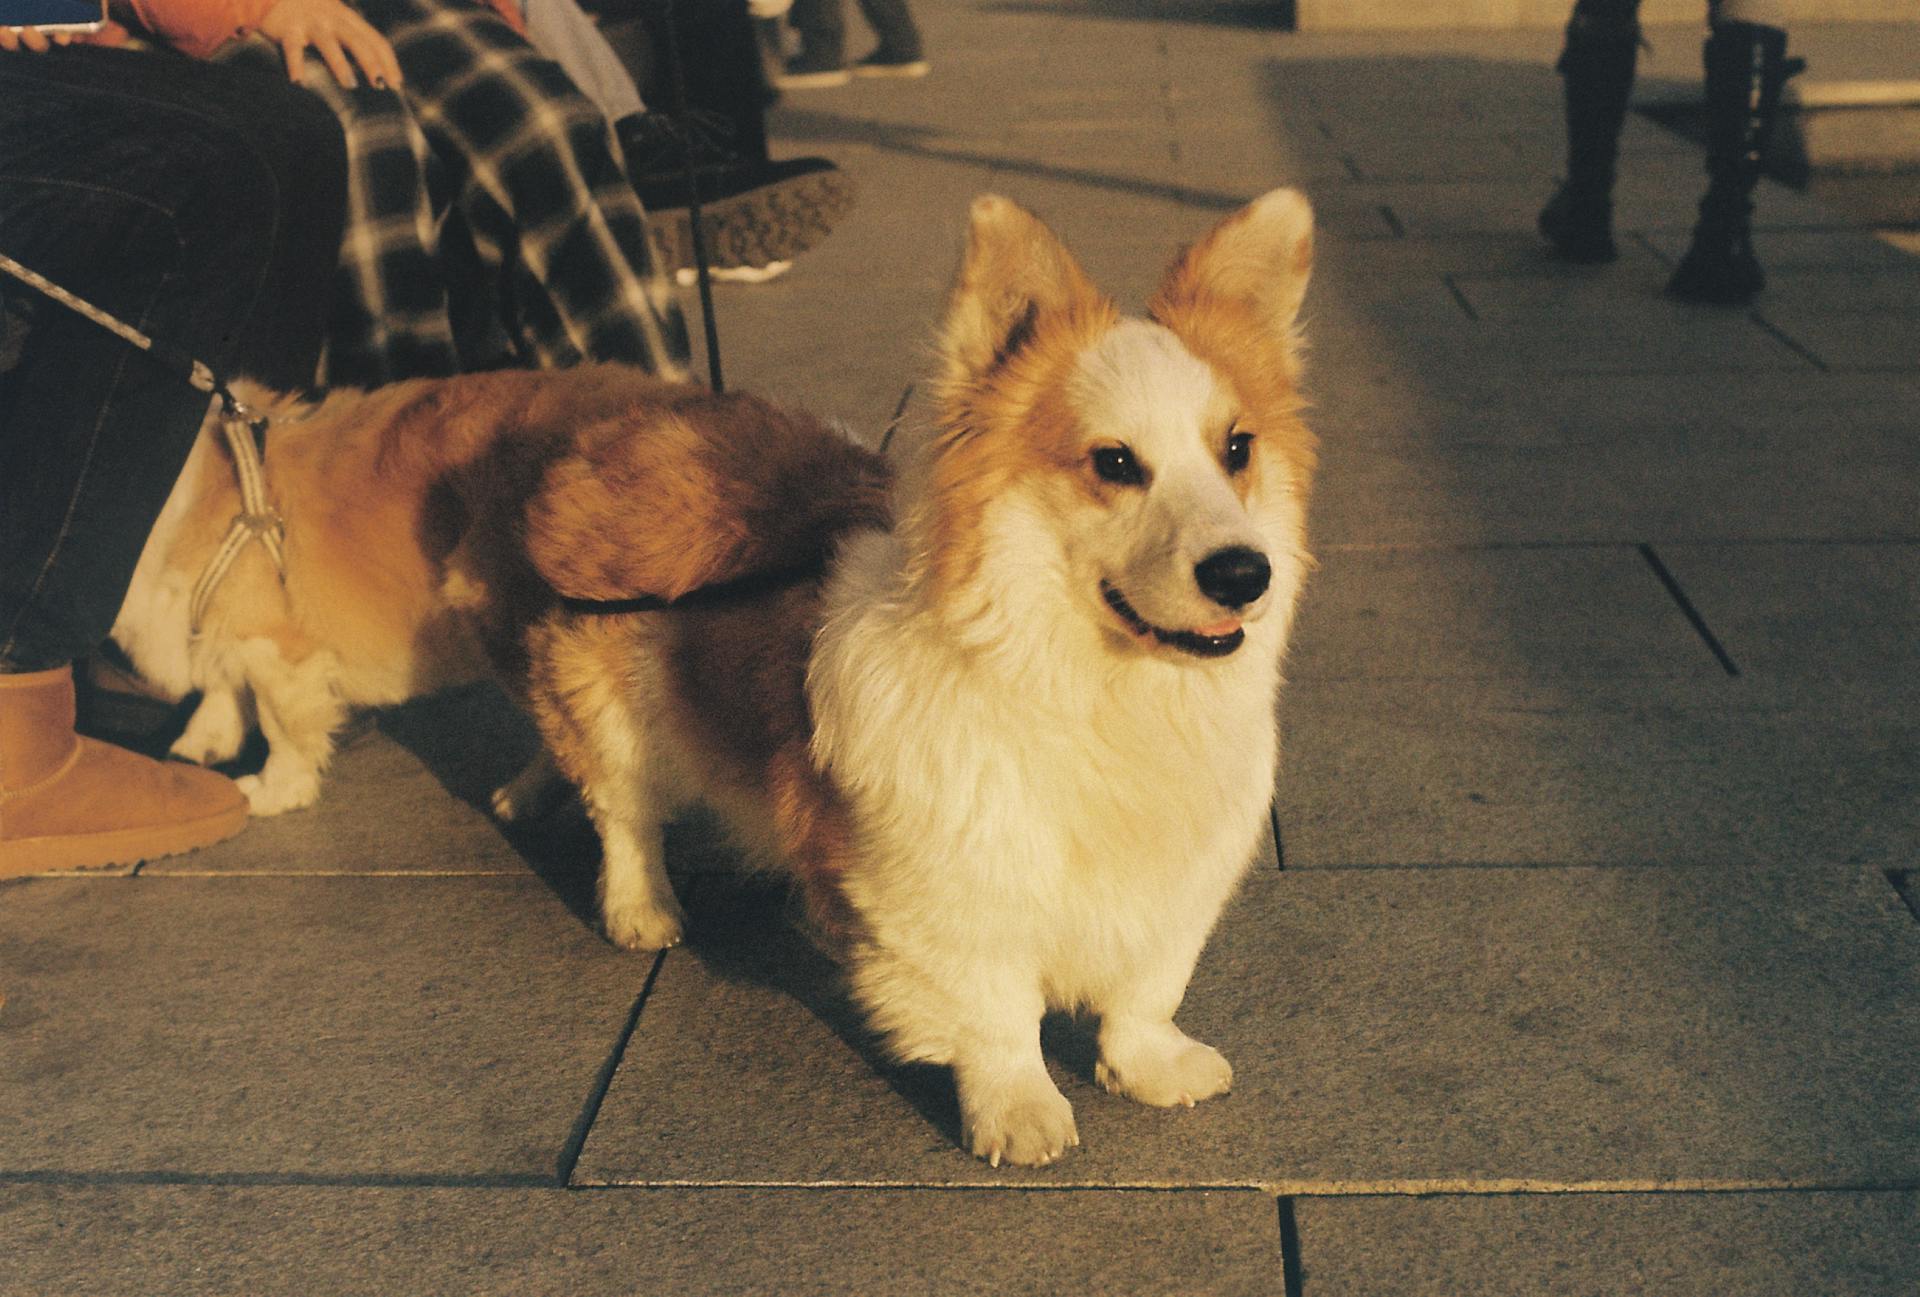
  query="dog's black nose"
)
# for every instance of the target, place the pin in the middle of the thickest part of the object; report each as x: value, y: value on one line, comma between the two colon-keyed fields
x: 1233, y: 577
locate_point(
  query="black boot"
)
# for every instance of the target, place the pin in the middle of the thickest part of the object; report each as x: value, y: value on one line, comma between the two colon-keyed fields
x: 1596, y: 72
x: 1746, y: 70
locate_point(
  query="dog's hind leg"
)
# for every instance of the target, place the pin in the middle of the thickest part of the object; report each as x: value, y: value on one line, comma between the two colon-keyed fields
x: 637, y: 903
x: 531, y: 793
x: 217, y: 728
x: 594, y: 733
x: 300, y: 710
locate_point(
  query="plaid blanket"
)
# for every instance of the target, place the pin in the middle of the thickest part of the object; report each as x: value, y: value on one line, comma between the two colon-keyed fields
x: 490, y: 219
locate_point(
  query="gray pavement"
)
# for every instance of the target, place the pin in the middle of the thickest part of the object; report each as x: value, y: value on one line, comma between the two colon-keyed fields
x: 1585, y: 959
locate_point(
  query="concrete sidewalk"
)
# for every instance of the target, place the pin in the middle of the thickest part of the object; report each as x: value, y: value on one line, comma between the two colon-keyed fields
x: 1581, y: 963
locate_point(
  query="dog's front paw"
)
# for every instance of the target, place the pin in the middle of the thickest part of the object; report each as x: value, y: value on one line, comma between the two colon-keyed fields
x: 1029, y: 1124
x: 647, y: 925
x: 1161, y: 1065
x: 273, y: 791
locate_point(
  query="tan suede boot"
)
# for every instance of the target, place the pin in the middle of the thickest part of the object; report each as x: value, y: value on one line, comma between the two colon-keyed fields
x: 68, y: 802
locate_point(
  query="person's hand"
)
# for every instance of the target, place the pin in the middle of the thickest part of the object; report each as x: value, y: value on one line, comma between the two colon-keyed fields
x: 334, y: 31
x: 31, y: 38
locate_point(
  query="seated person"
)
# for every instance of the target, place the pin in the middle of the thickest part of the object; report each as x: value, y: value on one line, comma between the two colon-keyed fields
x: 490, y: 219
x: 204, y: 204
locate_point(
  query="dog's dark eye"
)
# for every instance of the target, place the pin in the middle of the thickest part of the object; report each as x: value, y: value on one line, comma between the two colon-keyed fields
x: 1239, y: 451
x: 1116, y: 464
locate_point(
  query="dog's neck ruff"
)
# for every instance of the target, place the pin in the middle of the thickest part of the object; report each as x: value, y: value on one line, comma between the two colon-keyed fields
x: 257, y: 520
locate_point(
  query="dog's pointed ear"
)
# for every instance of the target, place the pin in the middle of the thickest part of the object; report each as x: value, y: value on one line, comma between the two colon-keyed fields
x: 1259, y: 259
x: 1015, y: 272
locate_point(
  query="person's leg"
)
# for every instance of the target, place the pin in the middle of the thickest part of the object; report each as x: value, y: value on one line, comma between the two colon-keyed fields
x: 540, y: 188
x: 391, y: 316
x: 1596, y: 70
x: 202, y: 207
x: 1747, y: 69
x: 822, y: 59
x: 899, y: 52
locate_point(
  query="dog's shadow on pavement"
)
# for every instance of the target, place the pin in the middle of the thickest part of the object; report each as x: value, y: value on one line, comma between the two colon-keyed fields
x: 471, y: 740
x: 743, y: 926
x: 748, y: 929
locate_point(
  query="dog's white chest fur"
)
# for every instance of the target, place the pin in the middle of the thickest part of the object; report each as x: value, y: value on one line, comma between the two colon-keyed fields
x: 1064, y: 815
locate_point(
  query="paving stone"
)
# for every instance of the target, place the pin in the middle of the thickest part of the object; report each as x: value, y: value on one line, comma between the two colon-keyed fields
x: 1865, y: 340
x: 1414, y: 457
x: 1644, y: 200
x: 1563, y: 1245
x: 1402, y: 613
x: 1598, y: 771
x: 408, y: 793
x: 1553, y: 323
x: 1808, y: 612
x: 139, y: 1241
x: 205, y: 1027
x: 1404, y: 1031
x: 1789, y: 255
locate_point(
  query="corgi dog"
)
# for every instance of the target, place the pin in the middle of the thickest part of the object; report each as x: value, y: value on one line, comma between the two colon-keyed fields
x: 404, y: 565
x: 1005, y: 715
x: 1015, y: 740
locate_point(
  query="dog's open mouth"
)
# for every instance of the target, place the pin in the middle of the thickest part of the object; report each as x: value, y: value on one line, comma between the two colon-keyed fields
x: 1214, y: 641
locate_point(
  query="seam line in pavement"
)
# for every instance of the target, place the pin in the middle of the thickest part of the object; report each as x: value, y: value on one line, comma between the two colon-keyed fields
x: 1292, y: 1275
x: 1779, y: 335
x: 1693, y: 616
x: 1286, y: 1190
x: 603, y: 1080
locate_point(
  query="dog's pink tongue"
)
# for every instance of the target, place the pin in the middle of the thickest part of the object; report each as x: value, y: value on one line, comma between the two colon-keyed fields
x: 1219, y: 630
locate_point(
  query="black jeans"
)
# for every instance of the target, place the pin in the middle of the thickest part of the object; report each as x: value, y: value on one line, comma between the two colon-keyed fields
x: 200, y: 204
x: 822, y: 25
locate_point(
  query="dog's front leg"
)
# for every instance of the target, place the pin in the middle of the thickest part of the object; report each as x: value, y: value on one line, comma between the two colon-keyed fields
x: 1010, y: 1109
x: 1143, y: 1055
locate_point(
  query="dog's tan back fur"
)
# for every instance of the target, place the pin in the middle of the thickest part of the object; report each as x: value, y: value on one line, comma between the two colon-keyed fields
x: 431, y: 525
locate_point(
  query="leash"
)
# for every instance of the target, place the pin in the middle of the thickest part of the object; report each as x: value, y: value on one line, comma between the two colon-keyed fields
x: 245, y: 432
x: 684, y: 120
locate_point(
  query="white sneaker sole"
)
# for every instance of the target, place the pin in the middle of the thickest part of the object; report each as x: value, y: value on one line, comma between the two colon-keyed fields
x: 687, y: 277
x: 897, y: 71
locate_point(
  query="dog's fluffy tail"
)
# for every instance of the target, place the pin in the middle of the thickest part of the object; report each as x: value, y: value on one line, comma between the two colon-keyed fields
x: 705, y: 490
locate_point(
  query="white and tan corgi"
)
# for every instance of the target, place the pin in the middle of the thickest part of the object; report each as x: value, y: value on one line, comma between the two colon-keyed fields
x: 1008, y: 721
x: 404, y: 541
x: 1016, y: 743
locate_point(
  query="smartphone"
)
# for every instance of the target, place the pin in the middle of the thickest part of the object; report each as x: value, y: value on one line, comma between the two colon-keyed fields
x: 54, y: 15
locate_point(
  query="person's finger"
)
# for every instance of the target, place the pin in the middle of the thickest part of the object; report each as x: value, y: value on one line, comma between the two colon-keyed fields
x: 9, y: 40
x: 375, y: 56
x: 336, y: 60
x: 295, y: 51
x: 374, y: 52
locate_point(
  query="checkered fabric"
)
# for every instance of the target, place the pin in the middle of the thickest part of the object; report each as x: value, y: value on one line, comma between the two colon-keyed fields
x: 490, y: 218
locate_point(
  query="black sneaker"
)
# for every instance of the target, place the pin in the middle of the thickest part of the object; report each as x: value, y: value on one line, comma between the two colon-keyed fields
x: 881, y: 64
x: 810, y: 72
x: 752, y: 214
